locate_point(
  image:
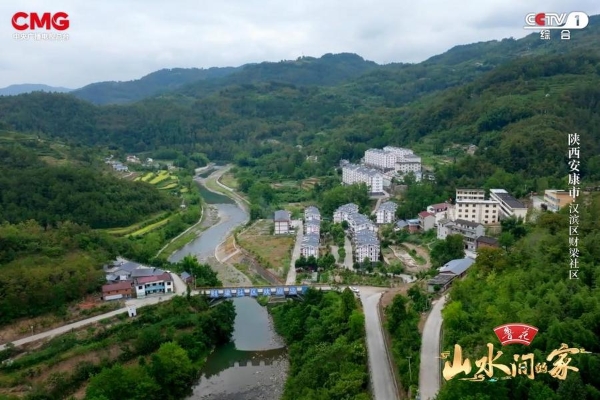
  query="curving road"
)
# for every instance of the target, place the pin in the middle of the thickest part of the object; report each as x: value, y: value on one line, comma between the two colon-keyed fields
x: 382, y: 377
x: 429, y: 374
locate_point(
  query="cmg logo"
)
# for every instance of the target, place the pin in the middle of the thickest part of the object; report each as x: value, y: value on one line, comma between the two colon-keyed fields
x: 22, y: 21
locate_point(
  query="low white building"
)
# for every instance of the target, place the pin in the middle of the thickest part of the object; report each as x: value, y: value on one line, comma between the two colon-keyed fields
x: 312, y: 213
x: 352, y: 173
x: 342, y: 212
x: 359, y: 222
x: 310, y: 245
x: 440, y: 211
x: 386, y: 212
x: 509, y: 206
x: 410, y: 163
x: 366, y: 245
x: 312, y: 227
x: 470, y: 231
x: 283, y: 222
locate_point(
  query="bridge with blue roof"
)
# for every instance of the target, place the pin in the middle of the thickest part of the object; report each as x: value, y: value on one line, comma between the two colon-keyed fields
x: 292, y: 291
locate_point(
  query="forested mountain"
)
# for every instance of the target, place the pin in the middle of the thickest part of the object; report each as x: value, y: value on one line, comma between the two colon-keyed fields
x: 31, y: 189
x: 30, y: 87
x: 328, y: 70
x: 149, y: 85
x: 507, y: 97
x: 529, y: 284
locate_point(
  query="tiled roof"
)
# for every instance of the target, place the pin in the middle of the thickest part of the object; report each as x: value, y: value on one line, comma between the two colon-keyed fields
x: 281, y: 215
x: 149, y: 279
x: 457, y: 266
x: 424, y: 214
x: 388, y: 206
x: 117, y: 286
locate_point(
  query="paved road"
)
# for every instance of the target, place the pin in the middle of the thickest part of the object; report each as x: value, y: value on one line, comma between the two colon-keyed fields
x: 291, y: 276
x: 382, y: 377
x: 180, y: 289
x: 429, y: 375
x: 348, y: 260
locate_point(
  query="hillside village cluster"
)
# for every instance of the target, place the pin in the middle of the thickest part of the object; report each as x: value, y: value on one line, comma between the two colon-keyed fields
x: 468, y: 215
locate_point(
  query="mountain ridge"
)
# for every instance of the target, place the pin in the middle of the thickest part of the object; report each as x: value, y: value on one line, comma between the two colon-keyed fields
x: 13, y: 90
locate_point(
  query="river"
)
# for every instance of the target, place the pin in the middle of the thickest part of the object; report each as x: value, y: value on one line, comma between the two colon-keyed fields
x: 254, y: 365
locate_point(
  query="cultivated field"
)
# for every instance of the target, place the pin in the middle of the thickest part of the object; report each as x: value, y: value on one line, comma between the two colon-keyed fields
x: 163, y: 180
x: 272, y: 251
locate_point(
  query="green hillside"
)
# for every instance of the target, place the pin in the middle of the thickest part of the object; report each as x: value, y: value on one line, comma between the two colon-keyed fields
x: 31, y: 189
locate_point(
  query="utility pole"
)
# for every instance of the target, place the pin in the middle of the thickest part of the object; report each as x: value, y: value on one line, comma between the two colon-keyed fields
x: 409, y: 368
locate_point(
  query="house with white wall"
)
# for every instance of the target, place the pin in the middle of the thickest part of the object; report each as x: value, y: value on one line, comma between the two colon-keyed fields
x: 386, y: 212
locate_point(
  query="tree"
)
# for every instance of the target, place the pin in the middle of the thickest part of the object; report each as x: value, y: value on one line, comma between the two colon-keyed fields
x: 451, y: 248
x: 506, y: 240
x: 119, y: 382
x: 173, y: 370
x: 203, y: 274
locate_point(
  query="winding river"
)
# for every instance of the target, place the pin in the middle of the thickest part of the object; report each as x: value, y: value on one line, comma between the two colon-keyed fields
x: 253, y: 366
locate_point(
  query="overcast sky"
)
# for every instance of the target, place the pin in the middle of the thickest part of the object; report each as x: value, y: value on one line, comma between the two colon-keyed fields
x: 126, y: 39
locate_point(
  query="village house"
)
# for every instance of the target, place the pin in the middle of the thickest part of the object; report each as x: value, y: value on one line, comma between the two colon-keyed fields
x: 451, y: 270
x: 413, y: 225
x: 486, y: 241
x: 426, y: 221
x: 283, y: 222
x: 149, y: 285
x: 116, y: 291
x: 440, y: 211
x: 470, y: 231
x: 386, y: 213
x: 400, y: 225
x: 186, y: 277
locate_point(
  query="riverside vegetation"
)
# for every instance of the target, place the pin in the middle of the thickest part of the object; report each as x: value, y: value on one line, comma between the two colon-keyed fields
x: 325, y: 334
x: 156, y: 355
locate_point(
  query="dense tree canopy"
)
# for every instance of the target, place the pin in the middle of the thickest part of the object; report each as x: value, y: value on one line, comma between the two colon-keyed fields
x: 531, y: 284
x: 32, y: 189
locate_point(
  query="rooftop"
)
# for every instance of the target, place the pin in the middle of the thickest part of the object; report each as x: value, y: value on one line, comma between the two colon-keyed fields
x: 310, y: 240
x: 413, y: 221
x: 363, y: 170
x: 348, y: 208
x: 425, y: 214
x: 123, y: 285
x: 488, y: 240
x: 507, y: 198
x: 388, y: 206
x: 466, y: 223
x: 442, y: 279
x: 184, y: 275
x: 281, y: 215
x: 457, y: 267
x: 312, y: 210
x: 140, y: 272
x: 401, y: 223
x: 149, y: 279
x: 366, y: 237
x: 439, y: 206
x: 359, y: 219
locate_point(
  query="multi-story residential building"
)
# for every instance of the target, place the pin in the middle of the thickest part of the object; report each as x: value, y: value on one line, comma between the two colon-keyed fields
x: 283, y: 222
x: 352, y: 173
x: 557, y: 199
x: 399, y: 152
x: 386, y: 212
x: 509, y: 206
x: 359, y: 222
x: 409, y: 163
x: 148, y: 285
x: 470, y: 231
x: 312, y: 227
x: 426, y: 221
x: 366, y: 245
x: 440, y: 211
x: 471, y: 205
x: 310, y: 245
x: 342, y: 212
x: 381, y: 159
x: 312, y: 213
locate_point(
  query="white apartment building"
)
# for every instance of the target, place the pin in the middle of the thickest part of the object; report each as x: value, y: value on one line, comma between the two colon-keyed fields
x: 352, y: 173
x: 312, y: 227
x: 386, y: 213
x: 399, y: 152
x: 509, y: 206
x: 342, y: 212
x: 470, y: 194
x: 312, y: 213
x: 310, y: 245
x: 366, y: 245
x: 409, y: 163
x: 360, y: 222
x: 381, y: 159
x: 471, y: 206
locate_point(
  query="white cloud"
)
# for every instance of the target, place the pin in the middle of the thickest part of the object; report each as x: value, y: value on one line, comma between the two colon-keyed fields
x: 126, y: 39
